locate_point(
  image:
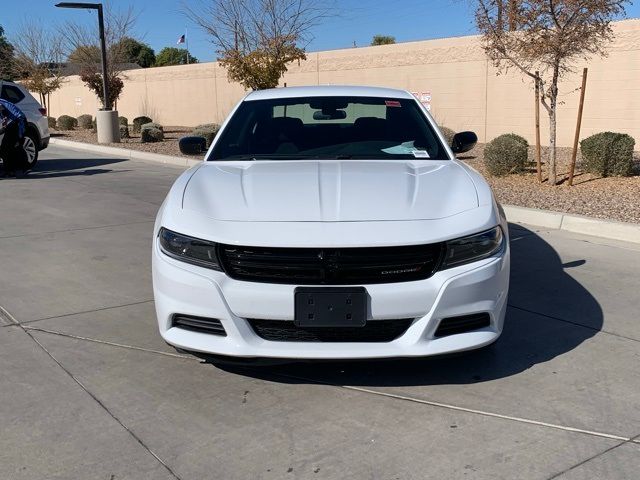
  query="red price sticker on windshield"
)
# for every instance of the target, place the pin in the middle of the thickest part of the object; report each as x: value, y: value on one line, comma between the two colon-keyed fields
x: 392, y: 103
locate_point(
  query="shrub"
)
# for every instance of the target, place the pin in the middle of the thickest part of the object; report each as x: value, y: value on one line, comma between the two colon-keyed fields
x: 124, y: 131
x: 52, y: 122
x: 85, y: 121
x: 150, y: 135
x: 607, y: 154
x: 152, y: 125
x: 448, y: 134
x: 138, y: 122
x: 66, y: 122
x: 506, y: 154
x: 94, y: 125
x: 517, y: 138
x: 207, y: 130
x: 123, y: 121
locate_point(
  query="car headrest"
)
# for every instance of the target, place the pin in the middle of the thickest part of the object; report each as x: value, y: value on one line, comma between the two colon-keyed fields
x: 370, y: 123
x: 287, y: 125
x: 279, y: 128
x: 371, y: 128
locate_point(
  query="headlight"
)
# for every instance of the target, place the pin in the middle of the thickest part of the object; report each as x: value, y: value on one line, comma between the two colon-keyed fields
x: 189, y: 249
x: 474, y: 247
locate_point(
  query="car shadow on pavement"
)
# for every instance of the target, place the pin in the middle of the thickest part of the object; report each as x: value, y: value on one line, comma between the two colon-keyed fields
x: 549, y: 314
x: 71, y: 167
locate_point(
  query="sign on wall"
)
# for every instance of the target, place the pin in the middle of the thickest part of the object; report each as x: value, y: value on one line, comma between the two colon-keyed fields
x: 424, y: 98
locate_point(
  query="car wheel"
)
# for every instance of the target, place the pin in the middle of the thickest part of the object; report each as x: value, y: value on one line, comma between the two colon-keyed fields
x: 31, y: 148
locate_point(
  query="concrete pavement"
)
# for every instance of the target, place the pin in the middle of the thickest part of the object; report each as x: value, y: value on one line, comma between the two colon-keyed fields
x: 90, y: 390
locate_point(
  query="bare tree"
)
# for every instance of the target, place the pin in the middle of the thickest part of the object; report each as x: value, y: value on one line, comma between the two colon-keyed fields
x: 39, y: 56
x: 257, y: 39
x: 82, y: 46
x: 547, y: 36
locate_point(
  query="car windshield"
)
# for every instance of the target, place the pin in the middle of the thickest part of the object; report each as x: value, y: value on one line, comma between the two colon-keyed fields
x: 328, y: 128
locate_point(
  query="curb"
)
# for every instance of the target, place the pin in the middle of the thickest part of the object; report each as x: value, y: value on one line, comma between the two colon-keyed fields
x: 626, y: 232
x: 127, y: 153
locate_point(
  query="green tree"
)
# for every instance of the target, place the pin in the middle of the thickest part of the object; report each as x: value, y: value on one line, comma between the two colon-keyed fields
x: 133, y: 51
x: 7, y: 59
x: 382, y: 40
x: 173, y: 56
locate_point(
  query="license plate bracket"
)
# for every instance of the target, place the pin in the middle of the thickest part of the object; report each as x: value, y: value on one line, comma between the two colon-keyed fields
x: 330, y: 306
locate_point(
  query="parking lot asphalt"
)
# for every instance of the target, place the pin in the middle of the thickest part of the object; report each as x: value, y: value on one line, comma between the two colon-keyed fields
x: 88, y: 389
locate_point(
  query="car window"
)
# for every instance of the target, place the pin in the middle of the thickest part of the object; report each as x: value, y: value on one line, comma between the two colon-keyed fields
x: 11, y: 94
x: 328, y: 128
x: 353, y: 111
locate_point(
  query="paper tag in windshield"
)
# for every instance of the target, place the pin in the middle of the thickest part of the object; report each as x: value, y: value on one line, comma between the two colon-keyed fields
x: 420, y: 153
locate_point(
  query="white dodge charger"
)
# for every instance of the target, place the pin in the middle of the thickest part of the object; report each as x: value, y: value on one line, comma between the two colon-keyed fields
x: 330, y: 223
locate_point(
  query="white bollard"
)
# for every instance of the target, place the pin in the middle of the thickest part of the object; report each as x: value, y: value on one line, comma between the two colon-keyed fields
x: 108, y: 127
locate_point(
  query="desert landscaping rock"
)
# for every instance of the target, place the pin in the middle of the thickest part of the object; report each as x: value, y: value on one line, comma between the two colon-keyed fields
x: 612, y: 198
x: 167, y: 147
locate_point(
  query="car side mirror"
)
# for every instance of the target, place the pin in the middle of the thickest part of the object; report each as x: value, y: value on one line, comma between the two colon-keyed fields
x: 193, y: 145
x: 463, y: 142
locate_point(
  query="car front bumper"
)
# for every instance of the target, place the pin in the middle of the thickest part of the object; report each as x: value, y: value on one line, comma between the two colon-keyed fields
x: 181, y: 288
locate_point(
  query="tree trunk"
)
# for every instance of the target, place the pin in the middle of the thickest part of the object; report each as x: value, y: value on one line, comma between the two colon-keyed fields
x: 553, y: 103
x: 552, y: 146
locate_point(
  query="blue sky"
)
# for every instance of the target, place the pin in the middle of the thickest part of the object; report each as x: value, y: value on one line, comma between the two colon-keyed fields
x: 160, y: 22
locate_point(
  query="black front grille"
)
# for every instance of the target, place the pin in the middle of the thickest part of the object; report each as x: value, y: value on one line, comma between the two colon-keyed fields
x: 462, y: 324
x: 212, y: 326
x: 287, y: 331
x: 331, y: 266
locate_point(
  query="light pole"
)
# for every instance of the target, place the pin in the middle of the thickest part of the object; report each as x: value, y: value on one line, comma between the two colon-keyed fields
x: 106, y: 119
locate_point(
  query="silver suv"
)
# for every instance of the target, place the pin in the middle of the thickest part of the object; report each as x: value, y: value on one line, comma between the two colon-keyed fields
x: 37, y: 134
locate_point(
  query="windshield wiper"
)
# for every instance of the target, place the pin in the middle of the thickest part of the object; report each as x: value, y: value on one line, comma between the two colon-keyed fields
x: 268, y: 156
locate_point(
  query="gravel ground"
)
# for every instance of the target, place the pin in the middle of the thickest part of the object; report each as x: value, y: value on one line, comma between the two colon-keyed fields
x: 614, y: 198
x: 168, y: 147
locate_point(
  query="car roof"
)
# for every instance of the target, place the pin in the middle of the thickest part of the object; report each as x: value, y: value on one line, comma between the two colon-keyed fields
x: 327, y: 91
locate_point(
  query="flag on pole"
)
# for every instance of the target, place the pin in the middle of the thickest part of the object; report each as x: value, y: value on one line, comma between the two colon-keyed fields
x: 183, y: 39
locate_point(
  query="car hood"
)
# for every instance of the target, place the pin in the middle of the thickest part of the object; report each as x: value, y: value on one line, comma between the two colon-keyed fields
x: 330, y: 190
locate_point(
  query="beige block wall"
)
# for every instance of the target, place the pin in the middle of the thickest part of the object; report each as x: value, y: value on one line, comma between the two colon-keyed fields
x: 466, y: 92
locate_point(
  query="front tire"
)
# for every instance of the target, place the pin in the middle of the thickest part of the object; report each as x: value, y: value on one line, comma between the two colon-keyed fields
x: 30, y: 146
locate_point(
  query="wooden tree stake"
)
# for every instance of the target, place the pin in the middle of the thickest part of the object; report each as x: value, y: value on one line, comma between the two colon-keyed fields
x: 579, y: 123
x: 538, y: 160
